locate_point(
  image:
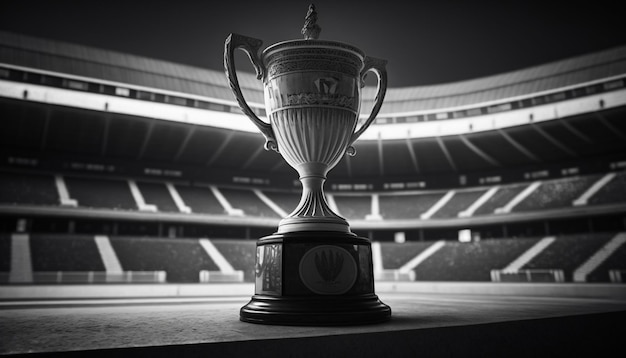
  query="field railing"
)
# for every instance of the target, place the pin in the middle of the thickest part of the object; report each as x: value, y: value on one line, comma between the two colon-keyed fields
x: 528, y: 275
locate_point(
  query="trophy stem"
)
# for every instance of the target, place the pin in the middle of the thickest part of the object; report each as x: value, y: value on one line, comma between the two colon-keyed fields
x: 313, y: 212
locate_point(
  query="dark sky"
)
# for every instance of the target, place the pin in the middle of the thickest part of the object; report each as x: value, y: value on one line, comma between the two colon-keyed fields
x: 425, y: 42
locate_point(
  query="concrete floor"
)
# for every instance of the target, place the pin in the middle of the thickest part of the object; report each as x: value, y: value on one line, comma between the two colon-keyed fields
x: 425, y: 323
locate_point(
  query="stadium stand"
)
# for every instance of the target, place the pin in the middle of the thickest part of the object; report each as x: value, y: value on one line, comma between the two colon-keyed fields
x: 459, y: 202
x: 614, y: 191
x: 96, y: 192
x: 158, y: 195
x: 27, y: 188
x: 457, y: 261
x: 354, y: 207
x: 240, y: 254
x: 100, y: 193
x: 556, y: 193
x: 408, y: 206
x: 615, y: 261
x: 503, y: 196
x: 568, y: 252
x: 249, y: 202
x: 394, y: 256
x: 287, y: 201
x: 200, y: 199
x: 182, y: 259
x: 161, y: 161
x: 64, y: 253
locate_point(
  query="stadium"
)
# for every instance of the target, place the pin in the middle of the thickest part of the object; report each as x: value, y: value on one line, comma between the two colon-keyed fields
x: 117, y: 169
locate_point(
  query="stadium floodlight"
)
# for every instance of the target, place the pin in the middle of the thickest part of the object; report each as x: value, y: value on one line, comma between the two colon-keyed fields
x: 399, y: 237
x: 313, y: 270
x: 465, y: 235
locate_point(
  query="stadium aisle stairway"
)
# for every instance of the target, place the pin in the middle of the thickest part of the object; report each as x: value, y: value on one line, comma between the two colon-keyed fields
x: 599, y: 257
x: 616, y: 262
x: 614, y: 191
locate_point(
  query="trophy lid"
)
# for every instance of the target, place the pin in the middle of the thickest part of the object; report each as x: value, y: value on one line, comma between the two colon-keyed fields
x: 311, y: 31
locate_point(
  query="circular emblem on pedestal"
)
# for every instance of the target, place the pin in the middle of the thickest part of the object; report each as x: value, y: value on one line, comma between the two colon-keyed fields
x: 328, y: 270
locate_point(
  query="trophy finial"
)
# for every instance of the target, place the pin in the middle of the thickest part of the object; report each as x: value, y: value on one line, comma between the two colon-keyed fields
x: 311, y: 30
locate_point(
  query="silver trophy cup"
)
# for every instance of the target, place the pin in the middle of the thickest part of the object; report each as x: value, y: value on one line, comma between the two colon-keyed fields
x: 312, y: 98
x: 313, y: 270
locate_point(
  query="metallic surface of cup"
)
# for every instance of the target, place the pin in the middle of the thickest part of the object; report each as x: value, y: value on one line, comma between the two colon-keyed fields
x: 312, y: 92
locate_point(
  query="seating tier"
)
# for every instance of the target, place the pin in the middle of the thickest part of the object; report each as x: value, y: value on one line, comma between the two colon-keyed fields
x: 459, y: 202
x: 21, y: 188
x: 52, y: 252
x: 200, y: 199
x: 158, y: 195
x: 354, y: 207
x: 457, y: 261
x: 247, y: 201
x: 556, y: 193
x: 409, y: 206
x: 569, y: 252
x: 613, y: 192
x: 396, y: 255
x: 101, y: 193
x: 240, y: 254
x: 182, y: 259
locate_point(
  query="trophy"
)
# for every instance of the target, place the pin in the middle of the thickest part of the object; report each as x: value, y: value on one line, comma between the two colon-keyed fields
x: 313, y: 270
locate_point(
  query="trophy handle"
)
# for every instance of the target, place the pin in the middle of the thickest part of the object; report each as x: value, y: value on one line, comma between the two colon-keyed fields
x: 251, y: 47
x: 378, y: 67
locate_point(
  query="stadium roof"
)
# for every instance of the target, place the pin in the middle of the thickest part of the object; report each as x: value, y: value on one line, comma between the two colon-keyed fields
x: 125, y: 68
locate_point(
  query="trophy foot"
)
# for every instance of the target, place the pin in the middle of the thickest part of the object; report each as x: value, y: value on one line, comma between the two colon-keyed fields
x: 312, y: 223
x: 315, y: 311
x: 314, y: 278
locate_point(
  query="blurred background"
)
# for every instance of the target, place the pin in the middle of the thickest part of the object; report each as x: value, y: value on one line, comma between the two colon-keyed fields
x: 498, y: 155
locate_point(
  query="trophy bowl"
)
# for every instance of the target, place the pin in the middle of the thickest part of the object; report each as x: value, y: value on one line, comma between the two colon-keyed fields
x: 313, y: 270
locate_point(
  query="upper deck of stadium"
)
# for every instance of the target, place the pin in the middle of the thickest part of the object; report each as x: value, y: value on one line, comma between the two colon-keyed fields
x: 549, y: 117
x: 88, y: 62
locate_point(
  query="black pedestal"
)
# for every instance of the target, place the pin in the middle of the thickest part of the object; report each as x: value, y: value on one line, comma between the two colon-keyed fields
x: 314, y: 278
